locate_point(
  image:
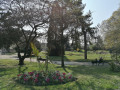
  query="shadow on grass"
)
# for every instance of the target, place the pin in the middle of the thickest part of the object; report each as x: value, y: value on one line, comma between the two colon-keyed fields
x: 88, y: 60
x: 5, y: 71
x: 74, y: 54
x: 83, y: 60
x: 58, y: 58
x: 13, y: 87
x: 21, y: 70
x: 91, y: 85
x: 9, y: 70
x: 64, y: 68
x: 95, y: 71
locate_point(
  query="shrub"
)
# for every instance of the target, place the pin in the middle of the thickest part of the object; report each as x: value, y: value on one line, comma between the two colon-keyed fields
x: 44, y: 78
x: 114, y: 66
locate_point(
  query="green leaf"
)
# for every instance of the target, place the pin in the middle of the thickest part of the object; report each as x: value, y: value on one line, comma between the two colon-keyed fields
x: 35, y: 50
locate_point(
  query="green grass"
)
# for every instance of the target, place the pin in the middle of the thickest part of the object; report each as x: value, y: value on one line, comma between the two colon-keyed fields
x: 88, y: 77
x: 79, y: 56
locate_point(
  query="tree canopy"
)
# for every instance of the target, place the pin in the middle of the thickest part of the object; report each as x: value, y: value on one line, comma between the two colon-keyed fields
x: 112, y: 30
x: 62, y: 20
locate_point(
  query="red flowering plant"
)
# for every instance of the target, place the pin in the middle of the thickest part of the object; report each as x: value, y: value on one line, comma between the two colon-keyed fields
x: 45, y: 78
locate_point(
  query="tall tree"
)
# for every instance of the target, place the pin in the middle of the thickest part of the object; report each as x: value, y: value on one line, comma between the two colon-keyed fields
x: 27, y: 15
x: 62, y: 19
x: 54, y: 31
x: 59, y: 13
x: 87, y: 30
x: 111, y: 28
x: 83, y: 24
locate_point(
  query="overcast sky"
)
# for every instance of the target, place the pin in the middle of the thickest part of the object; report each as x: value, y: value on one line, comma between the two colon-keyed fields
x: 101, y: 9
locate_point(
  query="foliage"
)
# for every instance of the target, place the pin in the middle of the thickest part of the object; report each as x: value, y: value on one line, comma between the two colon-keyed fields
x: 64, y: 20
x: 44, y: 78
x: 75, y: 35
x: 8, y: 34
x: 27, y: 16
x: 99, y: 43
x: 29, y: 51
x: 115, y: 54
x: 115, y: 66
x: 111, y: 28
x: 35, y: 51
x: 67, y: 19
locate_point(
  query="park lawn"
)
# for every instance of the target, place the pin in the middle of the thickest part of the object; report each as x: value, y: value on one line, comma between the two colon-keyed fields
x: 88, y: 77
x: 79, y: 56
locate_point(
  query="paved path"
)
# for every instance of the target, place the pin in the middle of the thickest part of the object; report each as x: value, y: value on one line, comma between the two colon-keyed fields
x: 55, y: 62
x: 14, y: 56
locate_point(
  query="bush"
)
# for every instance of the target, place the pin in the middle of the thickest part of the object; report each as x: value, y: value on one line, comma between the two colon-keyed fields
x: 114, y: 66
x: 44, y: 78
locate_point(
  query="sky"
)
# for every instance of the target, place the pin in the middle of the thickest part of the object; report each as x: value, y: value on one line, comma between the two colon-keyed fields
x: 101, y: 9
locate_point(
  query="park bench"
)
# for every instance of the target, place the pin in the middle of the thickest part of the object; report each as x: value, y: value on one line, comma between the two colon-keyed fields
x: 98, y: 62
x: 41, y: 59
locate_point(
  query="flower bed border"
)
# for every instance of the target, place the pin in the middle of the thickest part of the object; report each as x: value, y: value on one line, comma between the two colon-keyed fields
x: 42, y: 78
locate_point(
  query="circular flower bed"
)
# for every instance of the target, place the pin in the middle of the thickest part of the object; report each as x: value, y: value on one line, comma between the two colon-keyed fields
x: 45, y: 78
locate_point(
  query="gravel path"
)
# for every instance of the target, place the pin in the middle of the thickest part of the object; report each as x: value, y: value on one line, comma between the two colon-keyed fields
x: 55, y: 62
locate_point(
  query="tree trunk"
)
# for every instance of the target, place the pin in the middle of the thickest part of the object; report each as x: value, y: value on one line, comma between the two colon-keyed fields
x: 62, y: 60
x: 21, y: 59
x: 62, y: 48
x: 85, y: 46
